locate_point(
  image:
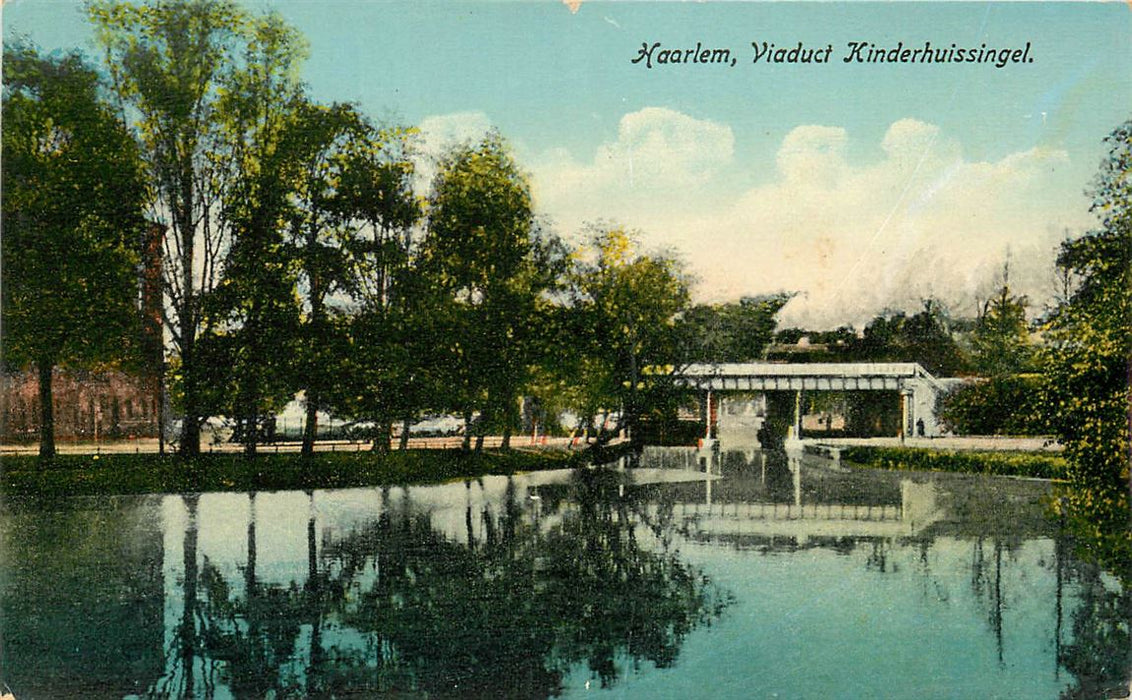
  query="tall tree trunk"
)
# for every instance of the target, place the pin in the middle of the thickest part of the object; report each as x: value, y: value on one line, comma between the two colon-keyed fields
x: 46, y: 410
x: 310, y: 425
x: 509, y: 417
x: 406, y: 425
x: 190, y: 421
x: 186, y: 313
x: 251, y: 436
x: 248, y: 404
x: 467, y: 444
x: 381, y: 430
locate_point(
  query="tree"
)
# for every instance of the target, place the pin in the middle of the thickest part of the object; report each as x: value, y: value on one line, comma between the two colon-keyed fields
x: 735, y: 332
x: 255, y: 305
x: 1007, y: 404
x: 1089, y: 361
x: 629, y: 303
x: 353, y: 217
x: 72, y: 219
x: 1000, y: 341
x: 169, y: 64
x: 924, y: 337
x: 481, y: 251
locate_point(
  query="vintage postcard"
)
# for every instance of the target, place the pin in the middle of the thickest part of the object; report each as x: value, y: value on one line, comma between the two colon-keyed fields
x: 585, y: 349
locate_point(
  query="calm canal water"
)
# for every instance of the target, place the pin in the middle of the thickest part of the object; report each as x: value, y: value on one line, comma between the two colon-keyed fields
x: 741, y: 575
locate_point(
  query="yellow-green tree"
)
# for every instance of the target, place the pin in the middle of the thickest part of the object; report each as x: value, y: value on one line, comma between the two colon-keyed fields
x: 627, y: 304
x: 483, y: 256
x: 1090, y: 361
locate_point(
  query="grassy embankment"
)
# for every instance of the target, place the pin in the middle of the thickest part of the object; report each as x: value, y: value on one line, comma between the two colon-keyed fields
x: 136, y: 474
x: 1025, y: 464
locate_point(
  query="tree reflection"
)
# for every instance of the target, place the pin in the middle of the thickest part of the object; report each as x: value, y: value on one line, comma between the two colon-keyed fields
x: 397, y: 607
x: 507, y: 597
x: 510, y: 616
x: 1100, y: 653
x: 254, y: 634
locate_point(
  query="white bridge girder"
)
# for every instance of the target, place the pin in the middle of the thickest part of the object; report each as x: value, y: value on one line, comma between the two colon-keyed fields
x: 918, y: 388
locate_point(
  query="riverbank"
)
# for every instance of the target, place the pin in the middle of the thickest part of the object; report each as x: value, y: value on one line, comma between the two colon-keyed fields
x: 152, y: 446
x: 958, y: 443
x: 1030, y: 464
x: 121, y: 474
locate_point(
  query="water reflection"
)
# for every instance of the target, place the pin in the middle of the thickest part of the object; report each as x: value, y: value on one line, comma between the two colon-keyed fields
x: 550, y: 583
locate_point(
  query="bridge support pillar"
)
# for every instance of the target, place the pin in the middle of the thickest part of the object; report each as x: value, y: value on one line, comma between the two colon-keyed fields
x: 707, y: 416
x: 711, y: 415
x: 905, y: 409
x: 798, y: 415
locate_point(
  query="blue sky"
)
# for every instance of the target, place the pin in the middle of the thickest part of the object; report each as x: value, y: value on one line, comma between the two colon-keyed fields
x: 859, y: 186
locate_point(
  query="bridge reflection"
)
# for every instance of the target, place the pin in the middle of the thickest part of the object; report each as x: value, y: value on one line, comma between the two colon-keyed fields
x: 778, y: 506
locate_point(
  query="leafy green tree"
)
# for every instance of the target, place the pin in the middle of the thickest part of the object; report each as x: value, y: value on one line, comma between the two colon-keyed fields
x: 1090, y: 360
x: 734, y: 332
x: 924, y: 337
x: 170, y: 63
x: 73, y: 222
x: 1008, y: 404
x: 629, y: 303
x: 255, y: 305
x: 359, y: 196
x: 482, y: 251
x: 319, y: 241
x: 1000, y: 341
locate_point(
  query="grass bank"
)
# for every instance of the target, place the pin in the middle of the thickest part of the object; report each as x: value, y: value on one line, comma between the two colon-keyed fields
x: 1026, y: 464
x: 121, y: 474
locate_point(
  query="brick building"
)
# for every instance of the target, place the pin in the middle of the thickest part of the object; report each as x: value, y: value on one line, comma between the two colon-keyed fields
x: 98, y: 405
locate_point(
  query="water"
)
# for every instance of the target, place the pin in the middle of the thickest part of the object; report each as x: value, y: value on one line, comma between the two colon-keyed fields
x: 740, y: 575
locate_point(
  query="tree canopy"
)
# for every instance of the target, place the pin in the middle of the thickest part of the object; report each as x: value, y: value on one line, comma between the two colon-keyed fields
x: 1090, y: 357
x: 72, y: 219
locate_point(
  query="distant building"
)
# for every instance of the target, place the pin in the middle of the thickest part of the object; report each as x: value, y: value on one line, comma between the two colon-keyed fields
x: 108, y: 404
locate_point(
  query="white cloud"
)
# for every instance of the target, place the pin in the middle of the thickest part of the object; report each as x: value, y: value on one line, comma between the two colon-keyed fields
x: 441, y: 131
x: 438, y: 133
x: 661, y: 162
x: 853, y: 237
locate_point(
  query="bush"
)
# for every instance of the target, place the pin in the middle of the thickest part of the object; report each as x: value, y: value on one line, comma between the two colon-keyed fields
x: 1026, y: 464
x: 1008, y: 405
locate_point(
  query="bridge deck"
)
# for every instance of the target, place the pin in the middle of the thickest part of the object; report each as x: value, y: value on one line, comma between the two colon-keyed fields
x: 819, y: 376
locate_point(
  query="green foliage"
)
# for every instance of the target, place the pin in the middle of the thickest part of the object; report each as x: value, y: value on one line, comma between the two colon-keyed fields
x: 1028, y: 464
x: 1000, y: 341
x: 355, y: 238
x: 1001, y: 405
x: 626, y: 306
x: 489, y: 270
x: 1090, y: 357
x: 251, y: 317
x: 72, y: 221
x: 72, y: 218
x: 924, y: 337
x: 734, y: 332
